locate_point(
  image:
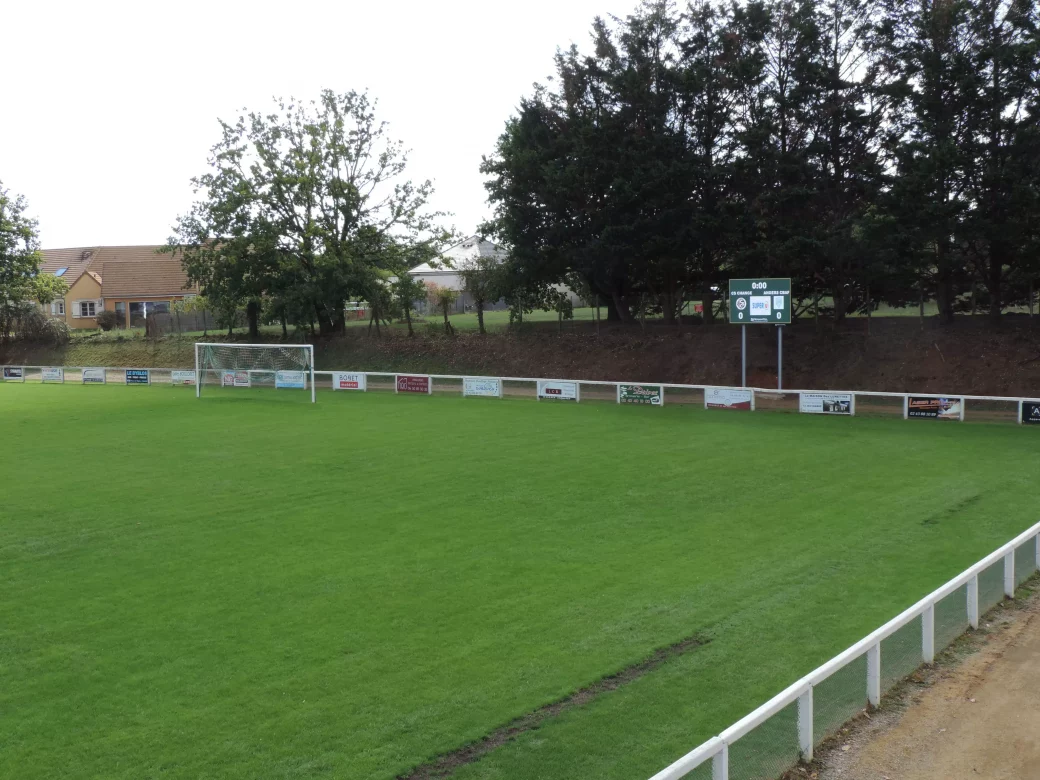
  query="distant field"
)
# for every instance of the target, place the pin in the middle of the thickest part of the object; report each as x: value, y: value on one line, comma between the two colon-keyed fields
x: 249, y: 586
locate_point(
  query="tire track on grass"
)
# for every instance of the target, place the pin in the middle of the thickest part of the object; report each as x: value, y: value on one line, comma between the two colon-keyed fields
x: 446, y: 764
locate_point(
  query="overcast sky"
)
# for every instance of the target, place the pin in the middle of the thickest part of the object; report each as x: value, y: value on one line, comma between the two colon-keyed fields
x: 108, y: 109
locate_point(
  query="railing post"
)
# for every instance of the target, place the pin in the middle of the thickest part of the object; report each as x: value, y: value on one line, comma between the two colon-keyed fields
x: 805, y: 725
x: 720, y: 764
x: 874, y: 675
x: 1009, y: 574
x: 973, y: 601
x: 1037, y: 552
x: 928, y: 635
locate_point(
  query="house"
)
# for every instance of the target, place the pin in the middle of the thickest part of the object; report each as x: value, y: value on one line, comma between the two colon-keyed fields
x: 444, y: 271
x: 133, y: 281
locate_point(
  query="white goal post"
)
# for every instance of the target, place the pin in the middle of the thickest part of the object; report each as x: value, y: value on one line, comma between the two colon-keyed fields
x: 255, y: 365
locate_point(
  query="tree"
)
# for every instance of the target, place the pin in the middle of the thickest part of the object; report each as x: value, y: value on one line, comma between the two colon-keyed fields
x: 482, y: 279
x: 442, y: 298
x: 21, y: 282
x: 299, y: 205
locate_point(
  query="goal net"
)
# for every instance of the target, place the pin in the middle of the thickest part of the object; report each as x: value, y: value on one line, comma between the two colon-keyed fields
x: 282, y: 366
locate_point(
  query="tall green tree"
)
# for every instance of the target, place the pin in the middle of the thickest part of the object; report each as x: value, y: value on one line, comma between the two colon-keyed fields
x: 21, y: 282
x: 299, y: 205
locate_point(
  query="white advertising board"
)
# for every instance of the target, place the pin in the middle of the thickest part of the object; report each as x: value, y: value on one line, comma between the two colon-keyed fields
x: 182, y: 377
x: 292, y: 380
x: 93, y: 376
x: 345, y: 380
x: 52, y: 375
x: 482, y: 386
x: 558, y: 391
x: 234, y: 379
x: 826, y: 403
x: 728, y: 398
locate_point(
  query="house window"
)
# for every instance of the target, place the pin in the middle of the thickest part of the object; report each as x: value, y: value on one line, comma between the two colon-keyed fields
x: 85, y: 309
x: 61, y: 271
x: 57, y: 308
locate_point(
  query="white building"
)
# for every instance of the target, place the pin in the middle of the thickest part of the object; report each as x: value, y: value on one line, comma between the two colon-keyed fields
x: 444, y: 272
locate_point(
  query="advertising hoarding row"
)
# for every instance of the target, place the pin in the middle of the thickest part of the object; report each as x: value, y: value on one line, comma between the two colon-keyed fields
x: 346, y: 380
x: 934, y: 407
x: 729, y: 398
x: 641, y: 394
x: 404, y: 383
x: 138, y: 376
x: 826, y: 403
x: 557, y: 391
x: 1030, y: 414
x: 290, y: 380
x: 482, y: 387
x: 235, y: 379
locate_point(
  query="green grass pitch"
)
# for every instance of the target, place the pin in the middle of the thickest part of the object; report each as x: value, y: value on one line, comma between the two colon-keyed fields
x: 249, y: 586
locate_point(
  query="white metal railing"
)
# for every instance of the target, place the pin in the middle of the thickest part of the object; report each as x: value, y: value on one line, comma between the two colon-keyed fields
x: 756, y: 393
x: 717, y: 749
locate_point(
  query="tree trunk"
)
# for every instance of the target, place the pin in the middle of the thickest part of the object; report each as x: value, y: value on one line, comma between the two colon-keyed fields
x: 839, y: 304
x: 920, y: 303
x: 480, y: 315
x: 205, y: 322
x: 668, y: 307
x: 597, y: 309
x: 285, y: 326
x: 253, y: 318
x: 816, y: 308
x: 708, y: 304
x: 870, y: 306
x: 642, y: 313
x: 408, y: 318
x: 559, y: 318
x: 1031, y: 294
x: 230, y: 329
x: 997, y: 254
x: 616, y: 309
x: 973, y: 299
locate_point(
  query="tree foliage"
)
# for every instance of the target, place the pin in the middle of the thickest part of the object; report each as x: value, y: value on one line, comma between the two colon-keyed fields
x: 304, y: 208
x: 873, y: 150
x: 22, y: 286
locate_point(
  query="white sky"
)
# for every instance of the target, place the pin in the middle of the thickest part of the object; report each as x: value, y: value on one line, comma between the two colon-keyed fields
x: 108, y: 108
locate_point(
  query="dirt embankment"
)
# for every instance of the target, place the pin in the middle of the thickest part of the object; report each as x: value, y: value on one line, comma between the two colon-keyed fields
x: 899, y: 354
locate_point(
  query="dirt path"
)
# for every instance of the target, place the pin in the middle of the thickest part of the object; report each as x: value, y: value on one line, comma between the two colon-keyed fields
x: 976, y: 718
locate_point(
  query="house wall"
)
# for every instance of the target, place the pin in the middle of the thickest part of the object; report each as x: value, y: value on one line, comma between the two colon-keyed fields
x: 84, y: 289
x: 110, y: 303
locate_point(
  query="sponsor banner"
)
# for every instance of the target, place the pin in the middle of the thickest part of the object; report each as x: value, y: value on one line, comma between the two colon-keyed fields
x: 137, y: 376
x: 825, y: 403
x: 1031, y: 412
x: 52, y: 375
x: 727, y: 398
x: 482, y: 386
x: 182, y: 377
x: 343, y: 380
x: 93, y: 376
x: 641, y: 394
x: 14, y: 374
x: 412, y: 384
x: 292, y: 380
x: 934, y: 408
x: 558, y: 391
x: 234, y: 379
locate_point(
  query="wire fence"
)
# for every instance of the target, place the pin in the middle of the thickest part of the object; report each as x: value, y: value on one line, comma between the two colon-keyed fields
x: 835, y: 403
x: 784, y: 731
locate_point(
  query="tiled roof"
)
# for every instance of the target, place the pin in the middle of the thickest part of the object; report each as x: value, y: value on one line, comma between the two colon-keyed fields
x: 75, y: 259
x: 161, y: 276
x: 123, y: 271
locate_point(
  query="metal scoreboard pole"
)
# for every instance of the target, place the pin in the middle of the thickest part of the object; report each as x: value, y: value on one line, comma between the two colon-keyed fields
x: 744, y: 356
x: 779, y: 357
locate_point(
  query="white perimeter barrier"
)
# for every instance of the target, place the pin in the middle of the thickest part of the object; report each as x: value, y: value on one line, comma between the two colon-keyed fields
x: 842, y: 403
x: 784, y: 730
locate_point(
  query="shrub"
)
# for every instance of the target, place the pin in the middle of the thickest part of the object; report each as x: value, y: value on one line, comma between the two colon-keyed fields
x: 35, y: 327
x: 107, y: 320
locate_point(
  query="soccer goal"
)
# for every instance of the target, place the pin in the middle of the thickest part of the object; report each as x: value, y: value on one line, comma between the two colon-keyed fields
x: 289, y: 366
